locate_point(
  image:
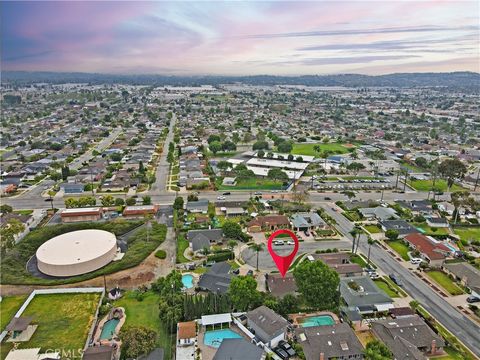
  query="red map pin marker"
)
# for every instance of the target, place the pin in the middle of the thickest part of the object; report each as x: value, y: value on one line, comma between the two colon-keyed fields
x: 283, y: 262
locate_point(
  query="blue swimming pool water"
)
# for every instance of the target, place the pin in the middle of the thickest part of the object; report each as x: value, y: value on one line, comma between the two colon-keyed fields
x: 187, y: 281
x: 318, y: 321
x: 421, y: 230
x: 215, y: 337
x: 109, y: 329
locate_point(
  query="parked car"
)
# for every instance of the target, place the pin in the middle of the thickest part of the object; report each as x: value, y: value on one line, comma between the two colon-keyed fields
x: 281, y: 353
x: 395, y: 279
x: 221, y: 197
x: 227, y: 193
x: 236, y: 271
x: 415, y: 261
x: 286, y: 347
x: 290, y: 242
x: 257, y: 193
x: 472, y: 299
x: 250, y: 273
x: 278, y: 242
x: 374, y: 275
x: 327, y: 198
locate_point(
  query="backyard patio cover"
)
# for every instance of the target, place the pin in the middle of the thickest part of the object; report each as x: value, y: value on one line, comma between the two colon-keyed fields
x: 216, y: 319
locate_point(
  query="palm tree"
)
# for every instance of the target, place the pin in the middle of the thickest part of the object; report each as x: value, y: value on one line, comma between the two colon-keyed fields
x: 257, y: 248
x: 353, y: 232
x: 370, y: 243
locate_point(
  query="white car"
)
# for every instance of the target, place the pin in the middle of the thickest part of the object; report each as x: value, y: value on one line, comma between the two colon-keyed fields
x: 290, y: 242
x: 415, y: 261
x: 278, y: 242
x: 374, y: 276
x: 221, y: 197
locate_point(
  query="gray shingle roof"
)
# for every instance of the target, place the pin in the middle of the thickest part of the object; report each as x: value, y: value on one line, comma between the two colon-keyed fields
x: 370, y: 295
x: 217, y: 279
x: 267, y: 320
x: 238, y: 349
x: 334, y: 341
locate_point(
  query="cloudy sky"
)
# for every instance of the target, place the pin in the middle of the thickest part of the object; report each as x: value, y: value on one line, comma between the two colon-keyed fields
x: 241, y: 38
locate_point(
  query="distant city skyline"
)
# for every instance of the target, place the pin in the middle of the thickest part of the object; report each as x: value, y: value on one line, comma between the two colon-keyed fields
x: 241, y: 38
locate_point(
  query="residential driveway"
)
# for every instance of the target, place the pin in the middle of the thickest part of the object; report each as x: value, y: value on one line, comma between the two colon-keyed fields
x: 265, y: 261
x: 259, y: 238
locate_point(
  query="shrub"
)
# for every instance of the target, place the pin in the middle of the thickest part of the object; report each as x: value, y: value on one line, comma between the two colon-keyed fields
x: 161, y: 254
x: 221, y: 256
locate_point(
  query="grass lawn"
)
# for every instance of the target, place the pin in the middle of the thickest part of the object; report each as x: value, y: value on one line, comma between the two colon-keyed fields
x: 23, y: 212
x: 145, y: 313
x: 307, y: 149
x: 411, y: 167
x: 400, y: 248
x: 8, y: 307
x: 427, y: 230
x: 233, y: 264
x: 63, y: 321
x: 182, y: 244
x: 445, y: 282
x: 253, y: 183
x: 467, y: 233
x: 373, y: 229
x: 352, y: 215
x: 426, y: 185
x: 357, y: 259
x: 386, y: 288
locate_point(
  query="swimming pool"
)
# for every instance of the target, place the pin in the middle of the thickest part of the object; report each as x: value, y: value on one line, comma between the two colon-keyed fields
x: 108, y: 329
x: 215, y: 337
x: 319, y: 320
x: 187, y: 281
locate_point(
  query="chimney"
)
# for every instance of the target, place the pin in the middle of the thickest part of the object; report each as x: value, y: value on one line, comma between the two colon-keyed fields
x: 322, y: 356
x: 434, y: 346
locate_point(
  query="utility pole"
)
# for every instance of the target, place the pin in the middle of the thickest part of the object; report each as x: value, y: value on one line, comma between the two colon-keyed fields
x: 476, y: 181
x: 405, y: 181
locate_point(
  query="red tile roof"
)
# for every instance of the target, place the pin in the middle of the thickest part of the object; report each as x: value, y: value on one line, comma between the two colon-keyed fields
x: 430, y: 249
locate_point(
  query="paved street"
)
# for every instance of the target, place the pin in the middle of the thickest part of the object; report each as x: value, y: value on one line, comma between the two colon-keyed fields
x: 465, y: 329
x: 163, y: 168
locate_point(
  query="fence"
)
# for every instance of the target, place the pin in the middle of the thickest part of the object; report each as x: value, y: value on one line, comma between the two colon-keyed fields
x: 62, y: 291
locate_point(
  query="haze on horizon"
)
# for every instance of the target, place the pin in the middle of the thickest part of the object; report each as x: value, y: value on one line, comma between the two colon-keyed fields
x: 241, y: 38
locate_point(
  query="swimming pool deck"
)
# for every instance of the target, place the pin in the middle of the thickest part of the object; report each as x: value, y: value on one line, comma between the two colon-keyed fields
x: 208, y: 352
x: 297, y: 318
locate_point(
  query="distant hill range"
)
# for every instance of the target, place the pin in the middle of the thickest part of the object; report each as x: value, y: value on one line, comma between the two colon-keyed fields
x: 465, y: 80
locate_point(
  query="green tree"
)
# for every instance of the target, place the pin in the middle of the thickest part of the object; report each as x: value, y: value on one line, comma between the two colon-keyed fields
x: 119, y: 202
x: 257, y: 248
x: 71, y: 203
x: 370, y: 242
x: 376, y: 350
x: 223, y: 165
x: 232, y: 244
x: 65, y: 172
x: 318, y: 284
x: 215, y: 147
x: 5, y: 209
x: 232, y: 230
x: 146, y: 200
x: 285, y: 147
x: 137, y: 340
x: 451, y: 170
x: 260, y: 145
x: 108, y: 200
x: 172, y: 283
x: 131, y: 201
x: 213, y: 138
x: 289, y: 304
x: 355, y: 167
x: 391, y: 234
x: 276, y: 174
x: 8, y: 232
x: 243, y: 293
x: 178, y: 203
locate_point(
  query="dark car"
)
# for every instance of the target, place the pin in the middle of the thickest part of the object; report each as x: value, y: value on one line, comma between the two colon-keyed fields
x: 472, y: 299
x: 286, y: 347
x: 236, y: 271
x: 250, y: 273
x: 48, y: 199
x: 280, y: 352
x: 395, y: 279
x: 227, y: 193
x: 327, y: 198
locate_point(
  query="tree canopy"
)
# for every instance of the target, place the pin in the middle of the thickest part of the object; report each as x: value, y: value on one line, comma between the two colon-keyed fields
x: 137, y: 340
x: 243, y: 293
x: 318, y: 284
